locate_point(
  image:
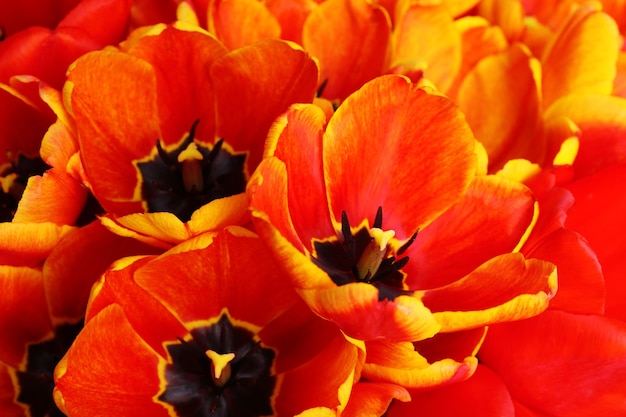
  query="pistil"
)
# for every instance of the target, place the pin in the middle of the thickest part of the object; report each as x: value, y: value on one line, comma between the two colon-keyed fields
x: 374, y: 253
x: 191, y: 161
x: 220, y: 365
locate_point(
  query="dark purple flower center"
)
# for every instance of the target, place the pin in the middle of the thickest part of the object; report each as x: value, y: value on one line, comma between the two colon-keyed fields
x: 14, y: 176
x: 36, y: 381
x: 190, y: 176
x: 363, y: 256
x: 221, y: 372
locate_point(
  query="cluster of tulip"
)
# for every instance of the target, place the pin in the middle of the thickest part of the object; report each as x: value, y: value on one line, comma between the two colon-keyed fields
x: 312, y: 208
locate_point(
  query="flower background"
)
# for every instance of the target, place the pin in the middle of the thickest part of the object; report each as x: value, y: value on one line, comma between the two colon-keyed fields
x: 312, y: 208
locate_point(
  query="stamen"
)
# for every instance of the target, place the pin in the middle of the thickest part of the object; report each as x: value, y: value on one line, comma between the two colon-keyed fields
x: 378, y: 221
x: 408, y: 243
x: 220, y: 364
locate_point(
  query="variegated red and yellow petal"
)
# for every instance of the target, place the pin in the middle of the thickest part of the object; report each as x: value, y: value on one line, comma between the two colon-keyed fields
x: 373, y: 398
x: 491, y: 219
x: 400, y: 364
x: 296, y: 139
x: 358, y: 312
x: 350, y: 39
x: 253, y: 86
x: 108, y: 349
x: 393, y: 145
x: 8, y: 405
x: 507, y: 287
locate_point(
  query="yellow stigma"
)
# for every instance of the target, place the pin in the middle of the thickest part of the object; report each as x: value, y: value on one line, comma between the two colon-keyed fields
x: 220, y: 364
x: 191, y: 158
x: 374, y: 253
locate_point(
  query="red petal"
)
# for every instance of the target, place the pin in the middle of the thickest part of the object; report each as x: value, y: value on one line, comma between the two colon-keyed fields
x: 291, y: 15
x: 18, y: 16
x: 392, y: 145
x: 106, y: 21
x: 484, y: 394
x: 373, y: 399
x: 489, y: 220
x: 599, y: 216
x: 561, y: 364
x: 127, y: 364
x: 8, y: 404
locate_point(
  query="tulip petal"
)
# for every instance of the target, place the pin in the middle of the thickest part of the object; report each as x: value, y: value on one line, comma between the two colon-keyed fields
x: 23, y: 312
x: 373, y: 398
x: 399, y: 363
x: 582, y: 56
x: 253, y: 86
x: 291, y: 15
x: 426, y: 38
x: 357, y: 310
x: 7, y: 394
x: 350, y: 39
x: 238, y: 23
x: 103, y: 134
x: 417, y: 161
x: 598, y: 216
x: 28, y: 244
x: 507, y: 287
x: 237, y: 274
x: 489, y: 220
x: 127, y: 364
x: 507, y: 123
x: 484, y: 394
x: 296, y: 139
x: 578, y: 362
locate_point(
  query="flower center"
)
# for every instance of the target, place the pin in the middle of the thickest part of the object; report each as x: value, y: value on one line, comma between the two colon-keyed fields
x: 13, y: 178
x: 222, y: 371
x: 36, y: 382
x: 190, y: 176
x: 364, y: 256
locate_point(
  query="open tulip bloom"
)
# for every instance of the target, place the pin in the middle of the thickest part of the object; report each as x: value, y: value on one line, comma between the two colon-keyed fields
x: 312, y: 208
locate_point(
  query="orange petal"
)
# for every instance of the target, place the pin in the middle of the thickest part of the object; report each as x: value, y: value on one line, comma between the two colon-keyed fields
x: 489, y: 220
x: 239, y: 23
x: 226, y: 264
x: 98, y: 87
x: 393, y: 145
x: 184, y: 91
x: 350, y: 38
x: 373, y: 398
x: 296, y: 139
x: 87, y: 252
x: 253, y: 86
x: 23, y: 312
x: 426, y: 38
x: 291, y: 15
x: 54, y: 197
x: 582, y: 57
x: 507, y: 287
x: 28, y: 244
x: 127, y: 364
x: 507, y: 124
